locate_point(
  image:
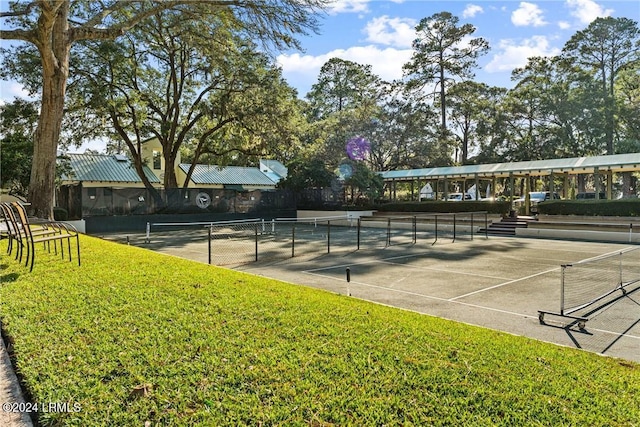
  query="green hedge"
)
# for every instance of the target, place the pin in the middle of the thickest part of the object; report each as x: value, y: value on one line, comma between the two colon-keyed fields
x: 442, y: 206
x: 60, y: 214
x: 622, y: 207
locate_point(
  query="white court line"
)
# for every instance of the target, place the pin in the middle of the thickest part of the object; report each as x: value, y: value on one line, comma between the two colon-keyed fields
x: 497, y: 310
x: 426, y: 296
x: 446, y: 270
x: 505, y: 283
x: 366, y: 262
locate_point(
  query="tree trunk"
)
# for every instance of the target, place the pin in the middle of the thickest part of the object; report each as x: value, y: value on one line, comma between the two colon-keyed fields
x: 55, y: 70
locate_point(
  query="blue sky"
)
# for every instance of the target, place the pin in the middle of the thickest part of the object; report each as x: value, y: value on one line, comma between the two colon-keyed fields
x: 380, y: 33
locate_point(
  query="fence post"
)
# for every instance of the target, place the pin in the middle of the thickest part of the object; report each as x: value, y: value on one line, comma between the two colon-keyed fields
x: 415, y: 230
x: 329, y: 236
x: 293, y: 240
x: 146, y: 240
x: 471, y: 225
x: 486, y: 226
x: 358, y: 233
x: 256, y: 238
x: 454, y: 227
x: 436, y: 224
x: 388, y: 232
x: 209, y: 249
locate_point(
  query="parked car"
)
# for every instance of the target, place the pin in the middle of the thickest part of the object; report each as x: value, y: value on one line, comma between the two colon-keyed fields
x: 590, y: 195
x: 535, y: 197
x: 458, y: 197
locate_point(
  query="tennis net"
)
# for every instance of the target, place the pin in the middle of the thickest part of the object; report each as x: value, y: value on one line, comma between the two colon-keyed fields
x: 593, y: 283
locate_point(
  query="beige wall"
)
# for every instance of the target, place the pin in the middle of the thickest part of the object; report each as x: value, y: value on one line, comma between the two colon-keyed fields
x: 147, y: 151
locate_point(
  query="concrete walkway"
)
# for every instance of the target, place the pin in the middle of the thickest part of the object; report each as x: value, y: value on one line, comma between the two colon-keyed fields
x: 10, y: 394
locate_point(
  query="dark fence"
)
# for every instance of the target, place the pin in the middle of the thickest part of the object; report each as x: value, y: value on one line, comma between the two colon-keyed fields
x: 82, y: 202
x: 236, y: 242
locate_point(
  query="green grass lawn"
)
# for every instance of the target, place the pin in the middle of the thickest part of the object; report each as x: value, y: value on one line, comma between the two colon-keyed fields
x: 135, y: 336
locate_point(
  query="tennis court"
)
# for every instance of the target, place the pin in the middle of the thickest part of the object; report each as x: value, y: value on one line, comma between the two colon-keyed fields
x: 498, y: 283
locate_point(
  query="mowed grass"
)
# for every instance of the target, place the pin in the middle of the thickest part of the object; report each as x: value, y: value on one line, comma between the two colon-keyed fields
x: 134, y: 336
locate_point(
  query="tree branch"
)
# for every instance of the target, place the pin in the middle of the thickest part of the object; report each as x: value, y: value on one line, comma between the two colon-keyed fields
x: 24, y: 11
x: 28, y: 36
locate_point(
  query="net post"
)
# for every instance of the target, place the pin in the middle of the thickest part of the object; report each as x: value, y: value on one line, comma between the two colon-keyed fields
x: 358, y: 233
x: 564, y: 266
x: 620, y: 270
x: 273, y: 226
x: 388, y: 232
x: 255, y: 228
x: 209, y: 246
x: 329, y: 236
x: 146, y: 240
x: 471, y: 225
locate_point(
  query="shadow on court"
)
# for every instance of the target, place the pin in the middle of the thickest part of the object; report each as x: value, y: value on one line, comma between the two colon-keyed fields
x: 498, y: 283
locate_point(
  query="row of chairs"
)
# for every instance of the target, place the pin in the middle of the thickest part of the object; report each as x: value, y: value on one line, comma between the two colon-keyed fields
x: 24, y: 233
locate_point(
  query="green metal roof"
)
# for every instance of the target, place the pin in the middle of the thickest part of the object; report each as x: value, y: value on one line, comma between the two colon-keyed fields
x: 229, y: 175
x: 275, y: 166
x: 574, y: 165
x: 105, y: 168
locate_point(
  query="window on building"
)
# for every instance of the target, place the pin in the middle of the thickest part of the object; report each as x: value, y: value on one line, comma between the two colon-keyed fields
x: 157, y: 160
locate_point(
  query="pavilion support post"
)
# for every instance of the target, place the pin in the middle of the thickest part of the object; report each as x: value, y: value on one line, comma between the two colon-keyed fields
x: 412, y: 190
x: 609, y: 184
x: 477, y: 183
x: 512, y: 186
x: 596, y: 181
x: 446, y: 189
x: 493, y: 188
x: 393, y: 186
x: 527, y: 197
x: 552, y: 187
x: 565, y: 185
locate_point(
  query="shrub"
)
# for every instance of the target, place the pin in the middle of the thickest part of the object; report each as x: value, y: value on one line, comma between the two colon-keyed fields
x: 622, y: 207
x: 60, y: 214
x: 443, y: 206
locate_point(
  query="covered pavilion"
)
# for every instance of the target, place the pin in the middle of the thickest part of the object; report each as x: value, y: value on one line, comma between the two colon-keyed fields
x: 602, y: 168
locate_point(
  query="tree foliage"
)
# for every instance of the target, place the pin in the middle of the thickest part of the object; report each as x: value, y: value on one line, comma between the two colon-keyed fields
x: 18, y: 122
x: 197, y: 87
x: 54, y: 27
x: 607, y: 47
x: 442, y: 55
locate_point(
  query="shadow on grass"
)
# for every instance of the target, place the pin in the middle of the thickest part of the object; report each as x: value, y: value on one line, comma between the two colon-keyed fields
x: 8, y: 278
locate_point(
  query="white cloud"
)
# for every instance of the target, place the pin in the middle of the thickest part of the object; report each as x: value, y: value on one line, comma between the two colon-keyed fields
x: 399, y: 32
x: 587, y: 10
x: 11, y: 90
x: 564, y: 25
x: 512, y: 55
x: 528, y: 14
x: 385, y: 63
x: 472, y: 10
x: 348, y: 6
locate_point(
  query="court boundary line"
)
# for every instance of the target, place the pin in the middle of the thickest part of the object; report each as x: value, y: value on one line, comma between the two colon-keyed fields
x: 466, y: 304
x: 531, y: 276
